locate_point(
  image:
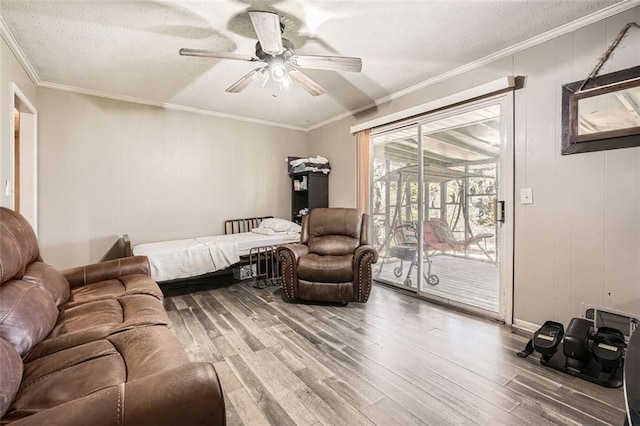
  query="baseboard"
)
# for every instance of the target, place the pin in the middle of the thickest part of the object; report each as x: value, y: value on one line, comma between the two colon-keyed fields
x: 525, y: 326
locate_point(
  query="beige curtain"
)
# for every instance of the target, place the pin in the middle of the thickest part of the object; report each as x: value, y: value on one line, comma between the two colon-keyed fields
x: 363, y: 169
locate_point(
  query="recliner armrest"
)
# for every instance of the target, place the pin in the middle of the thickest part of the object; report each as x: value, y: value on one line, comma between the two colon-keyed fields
x: 296, y: 250
x: 363, y: 258
x: 289, y: 254
x: 361, y: 251
x: 113, y: 269
x: 186, y: 395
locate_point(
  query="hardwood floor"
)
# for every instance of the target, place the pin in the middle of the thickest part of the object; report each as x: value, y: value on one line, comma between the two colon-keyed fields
x: 395, y: 360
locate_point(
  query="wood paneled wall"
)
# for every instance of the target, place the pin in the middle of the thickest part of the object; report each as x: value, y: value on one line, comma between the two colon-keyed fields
x: 110, y: 167
x: 580, y: 240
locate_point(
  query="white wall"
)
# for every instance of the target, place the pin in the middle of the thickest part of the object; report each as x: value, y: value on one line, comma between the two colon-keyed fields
x: 580, y: 241
x: 109, y: 167
x: 336, y: 143
x: 11, y: 72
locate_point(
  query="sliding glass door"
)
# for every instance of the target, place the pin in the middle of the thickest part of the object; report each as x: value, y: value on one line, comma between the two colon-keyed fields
x: 441, y: 188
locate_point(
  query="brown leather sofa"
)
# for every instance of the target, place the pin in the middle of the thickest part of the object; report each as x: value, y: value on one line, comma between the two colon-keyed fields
x: 92, y: 345
x: 333, y: 261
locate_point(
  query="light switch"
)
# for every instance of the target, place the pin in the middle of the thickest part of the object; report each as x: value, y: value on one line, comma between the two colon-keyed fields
x: 7, y: 188
x: 526, y: 196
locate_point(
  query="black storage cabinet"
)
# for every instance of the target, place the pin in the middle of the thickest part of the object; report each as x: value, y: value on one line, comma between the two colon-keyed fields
x: 316, y: 193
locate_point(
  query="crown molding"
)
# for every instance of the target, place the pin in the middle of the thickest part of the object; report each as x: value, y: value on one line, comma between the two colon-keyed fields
x: 549, y: 35
x: 501, y: 54
x: 17, y: 51
x: 166, y: 105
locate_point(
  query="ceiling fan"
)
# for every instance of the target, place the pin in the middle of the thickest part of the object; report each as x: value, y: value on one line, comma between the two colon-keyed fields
x: 282, y: 64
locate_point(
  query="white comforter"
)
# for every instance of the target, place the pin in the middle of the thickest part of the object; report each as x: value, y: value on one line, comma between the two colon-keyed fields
x: 170, y: 260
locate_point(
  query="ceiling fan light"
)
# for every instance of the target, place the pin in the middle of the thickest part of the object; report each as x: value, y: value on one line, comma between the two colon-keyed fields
x: 278, y: 72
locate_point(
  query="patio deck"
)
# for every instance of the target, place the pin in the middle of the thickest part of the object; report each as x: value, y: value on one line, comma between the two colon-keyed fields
x: 464, y: 280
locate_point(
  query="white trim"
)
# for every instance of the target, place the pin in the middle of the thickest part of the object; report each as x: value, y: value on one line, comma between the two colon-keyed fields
x: 18, y: 52
x: 165, y: 105
x: 486, y: 89
x: 506, y: 188
x: 518, y: 47
x: 506, y: 193
x: 463, y: 307
x: 525, y: 325
x: 14, y: 91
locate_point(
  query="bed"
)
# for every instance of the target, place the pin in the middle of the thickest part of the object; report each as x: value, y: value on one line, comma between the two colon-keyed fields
x: 192, y: 257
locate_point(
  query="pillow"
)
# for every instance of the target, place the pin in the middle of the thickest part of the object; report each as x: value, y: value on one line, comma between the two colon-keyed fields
x: 280, y: 225
x: 263, y: 231
x: 50, y: 279
x: 444, y: 234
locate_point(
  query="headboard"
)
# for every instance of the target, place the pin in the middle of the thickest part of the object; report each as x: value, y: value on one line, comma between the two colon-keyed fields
x: 236, y: 226
x: 121, y: 248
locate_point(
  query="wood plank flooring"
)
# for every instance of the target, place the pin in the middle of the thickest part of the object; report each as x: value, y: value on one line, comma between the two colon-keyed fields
x: 395, y: 360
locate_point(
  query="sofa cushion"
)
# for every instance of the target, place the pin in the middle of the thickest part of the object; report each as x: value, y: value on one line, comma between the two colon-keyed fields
x: 67, y: 375
x: 99, y: 319
x: 86, y: 369
x: 329, y: 269
x: 50, y: 279
x: 127, y: 285
x: 27, y: 314
x: 10, y: 374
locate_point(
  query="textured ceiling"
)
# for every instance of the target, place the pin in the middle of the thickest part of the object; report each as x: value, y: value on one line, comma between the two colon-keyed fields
x: 130, y: 48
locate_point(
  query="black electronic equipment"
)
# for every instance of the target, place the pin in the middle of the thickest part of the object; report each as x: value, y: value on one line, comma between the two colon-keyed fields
x: 578, y: 351
x: 608, y: 348
x: 576, y: 343
x: 545, y: 340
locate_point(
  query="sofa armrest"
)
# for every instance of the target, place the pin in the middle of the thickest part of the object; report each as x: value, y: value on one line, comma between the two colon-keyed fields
x: 186, y: 395
x: 113, y: 269
x: 288, y: 255
x: 363, y: 258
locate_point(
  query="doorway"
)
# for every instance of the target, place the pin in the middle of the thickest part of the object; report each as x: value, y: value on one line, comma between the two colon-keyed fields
x: 441, y: 190
x: 24, y: 158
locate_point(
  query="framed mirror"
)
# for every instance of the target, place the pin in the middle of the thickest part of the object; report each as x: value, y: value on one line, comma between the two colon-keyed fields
x: 605, y: 114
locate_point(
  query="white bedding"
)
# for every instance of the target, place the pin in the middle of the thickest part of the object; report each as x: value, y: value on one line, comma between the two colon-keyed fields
x: 170, y: 260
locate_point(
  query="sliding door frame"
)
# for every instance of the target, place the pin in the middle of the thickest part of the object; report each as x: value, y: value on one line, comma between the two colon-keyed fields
x: 506, y: 164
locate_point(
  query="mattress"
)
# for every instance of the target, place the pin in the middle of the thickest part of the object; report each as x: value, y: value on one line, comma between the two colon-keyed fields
x: 170, y: 260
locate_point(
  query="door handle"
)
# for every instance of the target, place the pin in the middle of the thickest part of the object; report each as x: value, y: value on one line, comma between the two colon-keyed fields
x: 500, y: 211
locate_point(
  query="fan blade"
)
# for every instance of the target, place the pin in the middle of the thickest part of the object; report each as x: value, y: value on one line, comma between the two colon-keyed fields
x: 241, y: 84
x: 331, y: 63
x: 219, y: 55
x: 267, y: 26
x: 306, y: 83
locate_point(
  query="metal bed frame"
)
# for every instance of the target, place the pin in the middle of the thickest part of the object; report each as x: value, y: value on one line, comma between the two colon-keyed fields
x: 267, y: 267
x: 237, y: 226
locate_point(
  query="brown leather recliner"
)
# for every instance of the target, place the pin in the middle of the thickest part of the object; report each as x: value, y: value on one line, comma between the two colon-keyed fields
x: 332, y: 262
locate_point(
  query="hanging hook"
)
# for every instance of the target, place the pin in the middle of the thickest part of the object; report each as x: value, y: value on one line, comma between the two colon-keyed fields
x: 606, y: 55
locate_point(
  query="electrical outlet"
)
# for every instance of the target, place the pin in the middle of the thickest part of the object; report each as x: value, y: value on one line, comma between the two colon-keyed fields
x: 526, y: 196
